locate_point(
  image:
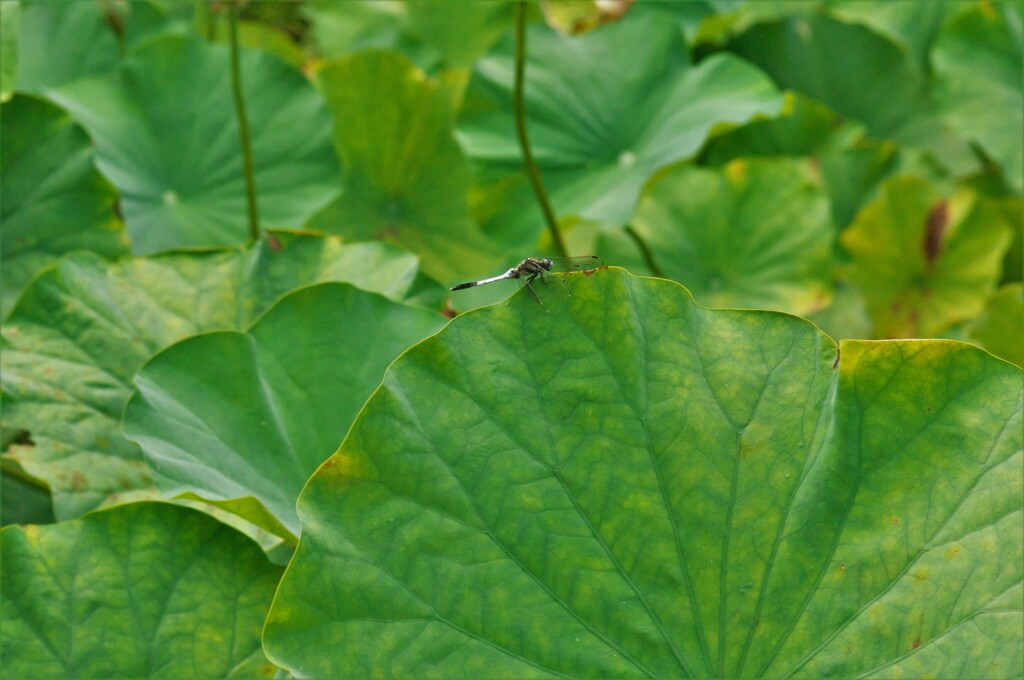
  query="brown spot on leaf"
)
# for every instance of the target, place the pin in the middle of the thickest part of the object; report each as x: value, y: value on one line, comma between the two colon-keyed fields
x: 273, y: 242
x: 934, y: 231
x: 77, y: 481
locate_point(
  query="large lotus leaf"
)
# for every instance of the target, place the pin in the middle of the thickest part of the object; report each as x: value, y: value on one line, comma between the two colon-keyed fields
x: 406, y: 179
x: 60, y: 42
x: 980, y: 82
x: 53, y: 198
x: 83, y: 328
x: 620, y: 483
x: 229, y: 415
x: 923, y: 262
x: 1000, y: 327
x: 141, y: 590
x: 757, y: 234
x: 166, y: 136
x: 605, y: 111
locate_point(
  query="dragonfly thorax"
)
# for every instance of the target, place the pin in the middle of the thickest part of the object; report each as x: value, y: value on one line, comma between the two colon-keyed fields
x: 531, y: 267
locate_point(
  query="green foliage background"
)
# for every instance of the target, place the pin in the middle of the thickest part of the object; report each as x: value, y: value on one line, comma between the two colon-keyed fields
x: 634, y: 478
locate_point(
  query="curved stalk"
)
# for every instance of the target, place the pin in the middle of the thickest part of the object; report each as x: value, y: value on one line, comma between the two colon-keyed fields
x: 524, y: 142
x: 243, y: 124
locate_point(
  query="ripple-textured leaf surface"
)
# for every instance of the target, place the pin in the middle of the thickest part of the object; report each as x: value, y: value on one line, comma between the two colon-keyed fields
x: 167, y: 137
x: 54, y: 201
x: 86, y: 326
x: 755, y: 235
x: 229, y: 415
x: 138, y: 591
x: 620, y: 483
x: 598, y: 128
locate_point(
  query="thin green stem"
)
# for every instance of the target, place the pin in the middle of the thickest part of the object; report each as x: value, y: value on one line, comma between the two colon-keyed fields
x: 243, y: 125
x: 644, y: 251
x: 524, y: 141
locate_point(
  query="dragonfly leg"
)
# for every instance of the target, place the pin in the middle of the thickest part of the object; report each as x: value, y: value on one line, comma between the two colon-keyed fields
x: 526, y: 282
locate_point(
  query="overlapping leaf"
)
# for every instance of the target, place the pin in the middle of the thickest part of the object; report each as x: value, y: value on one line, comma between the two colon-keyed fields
x: 137, y: 591
x: 176, y: 158
x: 230, y: 415
x: 85, y: 327
x: 833, y: 62
x: 911, y: 25
x: 1000, y: 327
x: 660, y: 490
x: 432, y: 33
x: 604, y: 112
x: 756, y: 235
x: 978, y: 63
x: 851, y: 164
x: 922, y: 262
x: 859, y: 74
x: 54, y: 201
x: 405, y: 177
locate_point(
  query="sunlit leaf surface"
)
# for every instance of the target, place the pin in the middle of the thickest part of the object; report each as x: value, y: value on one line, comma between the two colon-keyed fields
x: 620, y: 483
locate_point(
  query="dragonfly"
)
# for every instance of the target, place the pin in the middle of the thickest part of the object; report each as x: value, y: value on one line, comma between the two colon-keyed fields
x: 533, y: 267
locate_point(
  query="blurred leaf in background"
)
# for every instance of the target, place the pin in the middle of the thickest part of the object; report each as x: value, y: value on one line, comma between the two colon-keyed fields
x: 54, y: 201
x: 1000, y: 326
x: 605, y: 111
x: 84, y: 327
x: 757, y: 235
x: 434, y: 34
x: 979, y: 71
x: 925, y: 262
x: 405, y: 177
x: 87, y: 44
x: 230, y: 415
x: 166, y: 136
x: 858, y: 74
x: 10, y: 24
